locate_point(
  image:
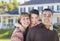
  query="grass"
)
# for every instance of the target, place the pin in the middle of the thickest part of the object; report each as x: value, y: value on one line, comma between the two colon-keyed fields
x: 5, y: 40
x: 5, y: 33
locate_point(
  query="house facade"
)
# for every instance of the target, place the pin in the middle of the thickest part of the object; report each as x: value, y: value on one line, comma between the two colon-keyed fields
x: 8, y: 20
x: 54, y: 5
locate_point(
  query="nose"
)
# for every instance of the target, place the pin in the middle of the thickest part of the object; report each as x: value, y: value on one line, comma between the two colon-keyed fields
x: 46, y: 17
x: 26, y: 20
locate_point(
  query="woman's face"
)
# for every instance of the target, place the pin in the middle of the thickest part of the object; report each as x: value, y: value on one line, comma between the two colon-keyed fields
x: 34, y: 18
x: 25, y: 21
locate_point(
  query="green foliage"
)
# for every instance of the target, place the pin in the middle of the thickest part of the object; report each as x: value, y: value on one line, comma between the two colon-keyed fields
x: 57, y: 28
x: 5, y: 33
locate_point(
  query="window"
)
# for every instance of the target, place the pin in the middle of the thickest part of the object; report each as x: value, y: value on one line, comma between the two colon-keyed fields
x: 4, y: 21
x: 58, y: 20
x: 10, y: 19
x: 22, y: 10
x: 30, y: 8
x: 40, y: 8
x: 51, y: 7
x: 58, y: 8
x: 16, y: 19
x: 10, y: 22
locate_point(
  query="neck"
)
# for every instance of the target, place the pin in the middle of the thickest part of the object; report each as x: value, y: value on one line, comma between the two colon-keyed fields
x: 47, y: 26
x: 32, y: 25
x: 50, y: 27
x: 38, y: 22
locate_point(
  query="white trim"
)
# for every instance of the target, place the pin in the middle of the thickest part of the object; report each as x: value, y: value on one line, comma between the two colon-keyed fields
x: 49, y: 4
x: 9, y: 15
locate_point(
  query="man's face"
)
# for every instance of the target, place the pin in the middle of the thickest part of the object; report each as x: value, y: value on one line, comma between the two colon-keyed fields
x: 34, y: 18
x: 47, y: 17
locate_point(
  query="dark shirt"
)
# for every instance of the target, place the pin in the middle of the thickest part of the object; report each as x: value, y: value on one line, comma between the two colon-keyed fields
x: 40, y: 33
x: 25, y: 33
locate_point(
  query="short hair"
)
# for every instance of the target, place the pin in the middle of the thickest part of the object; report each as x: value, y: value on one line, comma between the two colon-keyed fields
x: 23, y: 14
x: 47, y: 9
x: 34, y: 11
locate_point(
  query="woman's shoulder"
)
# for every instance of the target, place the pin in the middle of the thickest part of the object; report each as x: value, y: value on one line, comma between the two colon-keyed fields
x: 17, y: 33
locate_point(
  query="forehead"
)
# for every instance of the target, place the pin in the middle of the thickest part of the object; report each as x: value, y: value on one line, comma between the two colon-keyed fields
x: 47, y: 12
x: 24, y: 17
x: 34, y: 15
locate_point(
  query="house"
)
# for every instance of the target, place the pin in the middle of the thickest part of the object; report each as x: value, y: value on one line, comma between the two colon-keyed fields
x: 8, y: 19
x: 42, y: 4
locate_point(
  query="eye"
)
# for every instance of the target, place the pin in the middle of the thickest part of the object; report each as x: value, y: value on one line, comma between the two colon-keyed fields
x: 23, y: 18
x: 31, y: 17
x: 44, y: 15
x: 27, y: 18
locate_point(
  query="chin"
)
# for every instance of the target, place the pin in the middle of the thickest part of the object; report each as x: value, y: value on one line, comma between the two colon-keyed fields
x: 33, y: 23
x: 46, y: 23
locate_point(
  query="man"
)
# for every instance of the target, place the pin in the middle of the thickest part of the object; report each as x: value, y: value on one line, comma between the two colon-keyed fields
x: 41, y: 31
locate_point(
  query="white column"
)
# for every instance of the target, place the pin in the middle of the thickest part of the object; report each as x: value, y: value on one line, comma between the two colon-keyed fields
x: 19, y: 9
x: 55, y: 7
x: 26, y: 9
x: 14, y: 20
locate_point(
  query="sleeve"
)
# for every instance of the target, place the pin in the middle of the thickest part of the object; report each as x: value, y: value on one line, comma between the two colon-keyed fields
x: 15, y: 39
x: 30, y: 35
x: 16, y: 36
x: 56, y: 36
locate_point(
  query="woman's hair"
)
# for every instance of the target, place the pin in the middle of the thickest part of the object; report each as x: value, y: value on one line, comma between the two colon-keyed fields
x: 23, y: 14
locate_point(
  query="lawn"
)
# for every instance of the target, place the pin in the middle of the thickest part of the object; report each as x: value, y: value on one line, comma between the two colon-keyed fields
x: 5, y: 34
x: 4, y: 39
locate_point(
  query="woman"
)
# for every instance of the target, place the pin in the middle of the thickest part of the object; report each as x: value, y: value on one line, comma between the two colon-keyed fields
x: 21, y: 26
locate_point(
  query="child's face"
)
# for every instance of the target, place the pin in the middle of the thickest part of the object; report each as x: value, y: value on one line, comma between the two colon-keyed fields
x: 34, y: 18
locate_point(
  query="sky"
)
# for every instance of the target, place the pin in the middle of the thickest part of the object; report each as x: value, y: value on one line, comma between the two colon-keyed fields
x: 21, y: 1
